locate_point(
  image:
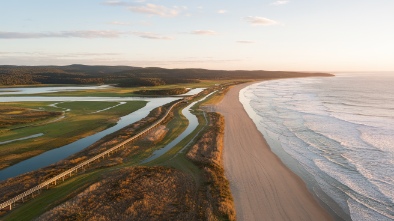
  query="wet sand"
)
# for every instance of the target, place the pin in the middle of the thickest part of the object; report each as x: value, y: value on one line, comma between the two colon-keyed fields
x: 262, y: 186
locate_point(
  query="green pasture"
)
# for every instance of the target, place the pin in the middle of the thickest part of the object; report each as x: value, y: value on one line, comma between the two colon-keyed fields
x: 126, y: 92
x: 79, y: 122
x: 52, y: 197
x: 173, y: 158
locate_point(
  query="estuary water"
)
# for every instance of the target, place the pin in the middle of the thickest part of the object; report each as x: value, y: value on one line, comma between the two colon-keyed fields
x: 55, y: 155
x: 193, y: 123
x: 41, y: 90
x: 337, y: 134
x: 52, y: 156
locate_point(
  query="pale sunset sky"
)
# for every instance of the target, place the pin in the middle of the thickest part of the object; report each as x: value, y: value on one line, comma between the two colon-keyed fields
x: 293, y: 35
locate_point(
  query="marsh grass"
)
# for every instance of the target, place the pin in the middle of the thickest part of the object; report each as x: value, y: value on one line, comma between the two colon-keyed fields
x: 207, y: 155
x: 78, y: 123
x: 137, y: 193
x: 129, y: 91
x: 177, y: 186
x: 11, y: 115
x: 14, y: 186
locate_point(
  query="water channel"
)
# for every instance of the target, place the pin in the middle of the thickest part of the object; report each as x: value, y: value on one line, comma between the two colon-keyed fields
x: 193, y: 123
x: 52, y: 156
x: 40, y: 90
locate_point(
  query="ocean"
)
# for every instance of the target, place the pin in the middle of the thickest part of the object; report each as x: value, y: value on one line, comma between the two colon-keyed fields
x: 337, y: 134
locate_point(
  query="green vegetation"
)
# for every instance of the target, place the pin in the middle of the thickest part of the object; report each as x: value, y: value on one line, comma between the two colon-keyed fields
x: 207, y: 155
x: 172, y: 91
x: 187, y: 182
x: 172, y: 154
x: 175, y: 126
x: 10, y: 116
x: 21, y: 183
x: 139, y: 193
x: 173, y: 187
x: 79, y: 122
x: 126, y: 92
x: 217, y: 97
x: 54, y: 196
x: 126, y: 76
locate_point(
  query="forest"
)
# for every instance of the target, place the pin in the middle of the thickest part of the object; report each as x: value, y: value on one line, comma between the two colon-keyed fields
x: 127, y: 76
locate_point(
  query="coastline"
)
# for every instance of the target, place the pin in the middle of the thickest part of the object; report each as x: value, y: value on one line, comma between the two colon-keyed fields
x: 262, y: 186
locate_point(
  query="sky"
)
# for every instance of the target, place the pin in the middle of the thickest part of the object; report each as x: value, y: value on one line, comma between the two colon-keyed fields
x: 288, y: 35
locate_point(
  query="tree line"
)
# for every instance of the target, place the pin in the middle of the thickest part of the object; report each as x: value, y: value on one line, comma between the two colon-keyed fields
x: 127, y: 76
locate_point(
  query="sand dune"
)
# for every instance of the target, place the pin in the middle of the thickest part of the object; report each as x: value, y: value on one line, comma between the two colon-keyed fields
x: 263, y: 188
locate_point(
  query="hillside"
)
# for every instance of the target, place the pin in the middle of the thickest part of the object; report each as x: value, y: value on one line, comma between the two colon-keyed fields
x: 127, y: 76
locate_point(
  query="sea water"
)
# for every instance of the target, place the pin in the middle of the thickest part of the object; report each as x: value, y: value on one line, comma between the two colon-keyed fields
x: 337, y: 134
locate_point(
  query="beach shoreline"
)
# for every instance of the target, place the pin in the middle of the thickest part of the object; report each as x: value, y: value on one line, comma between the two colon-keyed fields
x: 262, y: 186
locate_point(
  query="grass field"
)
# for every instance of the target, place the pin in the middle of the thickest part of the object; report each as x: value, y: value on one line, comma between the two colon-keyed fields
x: 10, y: 116
x: 79, y: 122
x: 140, y: 150
x: 128, y: 92
x: 54, y: 196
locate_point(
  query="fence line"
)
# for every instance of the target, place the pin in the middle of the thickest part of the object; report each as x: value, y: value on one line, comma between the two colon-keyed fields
x: 21, y: 197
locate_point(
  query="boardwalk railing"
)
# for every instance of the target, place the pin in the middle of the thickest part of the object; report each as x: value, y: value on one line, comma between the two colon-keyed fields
x: 21, y: 197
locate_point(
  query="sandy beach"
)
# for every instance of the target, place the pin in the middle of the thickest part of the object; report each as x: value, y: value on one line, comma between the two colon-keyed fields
x: 262, y: 186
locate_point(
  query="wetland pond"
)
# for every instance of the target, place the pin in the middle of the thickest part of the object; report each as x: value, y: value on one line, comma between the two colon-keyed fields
x: 41, y: 90
x: 52, y: 156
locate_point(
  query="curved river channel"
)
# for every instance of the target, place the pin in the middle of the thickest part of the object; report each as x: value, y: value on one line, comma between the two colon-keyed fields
x: 52, y: 156
x: 193, y: 123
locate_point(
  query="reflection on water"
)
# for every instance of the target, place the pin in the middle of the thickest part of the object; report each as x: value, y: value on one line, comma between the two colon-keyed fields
x: 192, y: 92
x: 63, y: 152
x: 55, y: 155
x: 40, y: 90
x: 22, y: 138
x: 193, y: 123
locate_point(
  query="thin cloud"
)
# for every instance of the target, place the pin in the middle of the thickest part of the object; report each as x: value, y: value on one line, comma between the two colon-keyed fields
x: 88, y: 54
x: 255, y: 20
x: 148, y: 8
x: 88, y: 58
x: 62, y: 34
x: 119, y: 23
x: 48, y: 56
x: 153, y: 36
x: 203, y: 32
x: 245, y: 42
x: 280, y: 2
x: 153, y: 9
x: 222, y: 11
x: 116, y: 3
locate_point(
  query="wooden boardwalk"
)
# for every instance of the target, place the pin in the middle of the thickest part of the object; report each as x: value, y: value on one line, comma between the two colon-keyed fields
x: 66, y: 174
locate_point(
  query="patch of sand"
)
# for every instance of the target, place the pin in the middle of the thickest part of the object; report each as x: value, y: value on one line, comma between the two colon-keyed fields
x: 262, y: 186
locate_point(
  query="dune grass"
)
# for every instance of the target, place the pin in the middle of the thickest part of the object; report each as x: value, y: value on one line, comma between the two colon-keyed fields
x: 52, y: 197
x: 139, y: 151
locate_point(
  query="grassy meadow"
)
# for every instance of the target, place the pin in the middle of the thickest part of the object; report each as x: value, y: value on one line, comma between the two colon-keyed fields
x: 80, y: 121
x: 180, y: 185
x: 127, y: 91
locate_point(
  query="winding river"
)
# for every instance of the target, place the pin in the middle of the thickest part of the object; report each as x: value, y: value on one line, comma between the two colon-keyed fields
x: 52, y: 156
x: 193, y: 123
